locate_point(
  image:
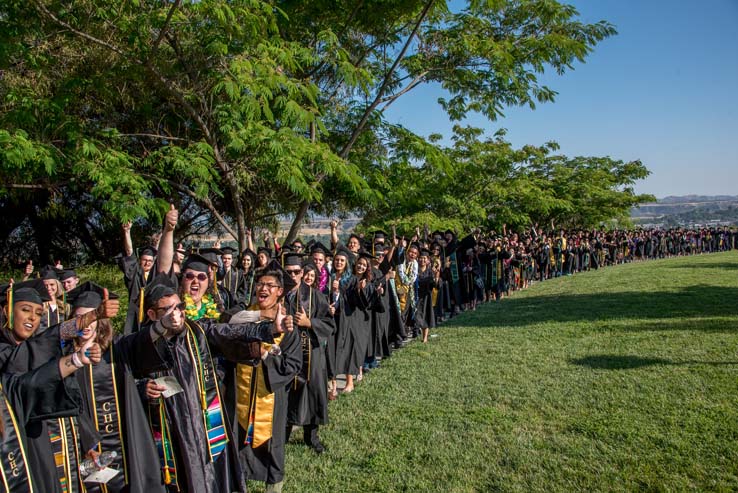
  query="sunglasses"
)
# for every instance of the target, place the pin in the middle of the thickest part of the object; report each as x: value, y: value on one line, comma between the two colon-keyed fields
x: 293, y: 273
x: 179, y: 306
x: 200, y: 276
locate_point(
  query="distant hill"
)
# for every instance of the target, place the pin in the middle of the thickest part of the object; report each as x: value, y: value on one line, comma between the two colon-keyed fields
x: 688, y: 210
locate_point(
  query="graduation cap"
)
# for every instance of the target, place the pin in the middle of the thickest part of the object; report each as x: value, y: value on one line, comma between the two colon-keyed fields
x: 424, y: 252
x: 319, y: 247
x: 31, y: 291
x: 210, y: 254
x: 292, y: 258
x: 466, y: 243
x: 342, y: 250
x: 88, y: 295
x: 379, y: 235
x: 67, y: 274
x: 286, y: 249
x: 198, y: 263
x: 147, y: 250
x: 266, y: 251
x: 160, y: 287
x: 449, y: 232
x: 274, y: 268
x: 250, y: 253
x: 228, y: 250
x: 49, y: 272
x: 437, y: 233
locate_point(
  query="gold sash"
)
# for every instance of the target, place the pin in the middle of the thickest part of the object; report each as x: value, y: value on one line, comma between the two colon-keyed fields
x: 255, y: 403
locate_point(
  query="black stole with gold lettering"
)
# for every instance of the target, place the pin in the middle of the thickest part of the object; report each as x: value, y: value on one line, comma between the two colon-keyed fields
x: 13, y: 464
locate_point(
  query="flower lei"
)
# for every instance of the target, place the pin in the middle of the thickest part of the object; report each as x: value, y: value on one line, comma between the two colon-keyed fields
x: 208, y: 308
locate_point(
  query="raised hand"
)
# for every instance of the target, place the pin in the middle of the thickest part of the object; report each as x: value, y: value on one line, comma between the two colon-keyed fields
x: 109, y: 308
x: 29, y: 268
x: 127, y: 226
x: 171, y: 218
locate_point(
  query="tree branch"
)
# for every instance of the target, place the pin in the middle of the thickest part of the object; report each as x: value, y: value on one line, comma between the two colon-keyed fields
x: 203, y: 201
x: 165, y: 27
x: 79, y: 33
x: 385, y: 84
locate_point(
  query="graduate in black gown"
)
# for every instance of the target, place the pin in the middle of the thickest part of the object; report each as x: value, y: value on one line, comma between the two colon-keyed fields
x: 355, y: 306
x: 56, y: 444
x: 231, y: 278
x: 428, y: 280
x: 36, y: 395
x: 197, y: 450
x: 112, y: 401
x: 308, y: 397
x: 262, y: 387
x: 139, y: 272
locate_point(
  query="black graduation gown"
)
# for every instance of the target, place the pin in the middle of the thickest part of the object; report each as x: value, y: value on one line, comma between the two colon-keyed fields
x: 355, y: 326
x: 234, y: 282
x: 379, y: 345
x: 425, y: 316
x: 112, y: 402
x: 136, y: 282
x: 308, y: 397
x: 266, y: 461
x: 74, y: 433
x: 189, y: 359
x: 35, y: 395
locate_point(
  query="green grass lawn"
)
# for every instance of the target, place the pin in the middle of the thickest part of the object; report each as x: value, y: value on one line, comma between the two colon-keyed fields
x: 623, y: 379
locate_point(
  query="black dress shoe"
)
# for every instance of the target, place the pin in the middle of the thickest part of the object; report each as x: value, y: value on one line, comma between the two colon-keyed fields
x: 318, y: 447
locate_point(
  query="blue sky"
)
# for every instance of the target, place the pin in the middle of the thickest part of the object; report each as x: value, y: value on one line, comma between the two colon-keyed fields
x: 663, y: 90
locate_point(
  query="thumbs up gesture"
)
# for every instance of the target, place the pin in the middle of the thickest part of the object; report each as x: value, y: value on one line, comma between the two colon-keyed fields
x: 171, y: 218
x: 109, y: 308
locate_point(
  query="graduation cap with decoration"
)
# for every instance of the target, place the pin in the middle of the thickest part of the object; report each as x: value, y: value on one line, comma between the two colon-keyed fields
x: 31, y: 291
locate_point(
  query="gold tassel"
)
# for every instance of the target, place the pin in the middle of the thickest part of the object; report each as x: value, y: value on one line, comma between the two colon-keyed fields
x: 141, y: 306
x: 10, y: 307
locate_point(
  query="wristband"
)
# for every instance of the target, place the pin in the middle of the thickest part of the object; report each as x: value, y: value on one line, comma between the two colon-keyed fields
x: 76, y: 361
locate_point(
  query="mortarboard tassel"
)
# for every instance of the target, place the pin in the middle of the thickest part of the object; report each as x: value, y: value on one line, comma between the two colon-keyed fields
x: 141, y: 306
x: 10, y: 308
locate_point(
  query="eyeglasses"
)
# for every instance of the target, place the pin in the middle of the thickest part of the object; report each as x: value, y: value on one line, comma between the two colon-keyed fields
x: 200, y: 276
x: 293, y: 273
x: 267, y: 285
x: 179, y: 306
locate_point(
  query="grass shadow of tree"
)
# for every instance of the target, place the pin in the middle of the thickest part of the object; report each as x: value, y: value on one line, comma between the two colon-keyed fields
x: 692, y: 302
x: 705, y: 265
x: 626, y: 362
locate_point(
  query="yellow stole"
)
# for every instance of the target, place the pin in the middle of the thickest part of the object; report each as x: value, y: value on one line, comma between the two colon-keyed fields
x: 254, y: 401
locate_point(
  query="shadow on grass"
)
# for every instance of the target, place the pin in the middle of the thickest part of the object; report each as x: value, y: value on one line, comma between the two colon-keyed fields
x: 625, y: 362
x: 705, y: 265
x: 692, y: 303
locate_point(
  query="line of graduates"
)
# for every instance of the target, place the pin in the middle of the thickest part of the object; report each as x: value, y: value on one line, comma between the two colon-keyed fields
x: 222, y: 355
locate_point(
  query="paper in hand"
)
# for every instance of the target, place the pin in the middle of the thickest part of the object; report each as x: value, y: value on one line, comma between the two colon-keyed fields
x: 102, y: 476
x: 171, y: 384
